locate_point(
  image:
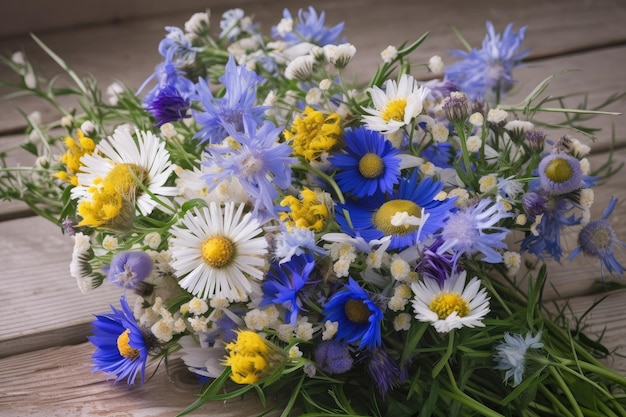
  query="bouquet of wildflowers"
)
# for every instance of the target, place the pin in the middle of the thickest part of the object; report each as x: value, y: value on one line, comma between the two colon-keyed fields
x: 273, y: 225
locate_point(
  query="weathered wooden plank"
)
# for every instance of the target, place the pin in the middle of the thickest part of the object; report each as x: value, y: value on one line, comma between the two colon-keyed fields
x: 30, y: 382
x: 39, y: 298
x: 128, y: 51
x: 58, y: 382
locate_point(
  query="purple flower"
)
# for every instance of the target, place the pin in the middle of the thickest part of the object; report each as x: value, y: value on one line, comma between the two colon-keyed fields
x: 129, y: 268
x: 168, y: 105
x: 385, y: 370
x: 560, y: 173
x: 333, y: 357
x: 309, y: 28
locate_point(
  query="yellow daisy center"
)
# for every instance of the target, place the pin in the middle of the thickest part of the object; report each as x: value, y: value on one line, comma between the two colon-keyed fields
x: 357, y: 311
x: 446, y: 303
x: 217, y: 251
x: 123, y: 346
x: 121, y: 177
x: 382, y: 217
x: 394, y: 110
x: 371, y: 165
x: 559, y: 170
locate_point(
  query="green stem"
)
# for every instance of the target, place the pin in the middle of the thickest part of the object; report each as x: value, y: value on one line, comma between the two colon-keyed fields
x: 460, y: 128
x: 555, y: 401
x: 566, y: 391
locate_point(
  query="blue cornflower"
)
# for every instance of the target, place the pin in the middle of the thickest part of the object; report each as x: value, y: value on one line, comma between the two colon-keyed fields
x: 560, y: 173
x: 597, y: 238
x: 121, y: 347
x: 238, y: 102
x: 333, y: 357
x: 546, y: 236
x: 370, y: 164
x: 474, y: 230
x: 128, y: 269
x: 486, y: 71
x: 358, y: 317
x: 511, y: 354
x: 168, y: 105
x: 440, y: 154
x: 177, y: 48
x: 284, y: 283
x: 437, y: 266
x: 168, y: 78
x: 309, y: 28
x: 407, y: 215
x: 296, y: 241
x: 385, y: 370
x: 259, y: 162
x: 234, y: 22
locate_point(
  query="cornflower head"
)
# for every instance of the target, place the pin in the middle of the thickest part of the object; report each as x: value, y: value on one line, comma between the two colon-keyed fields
x: 370, y: 163
x: 512, y: 353
x: 250, y: 357
x: 284, y: 284
x: 234, y: 23
x: 225, y: 114
x: 177, y: 48
x: 310, y: 211
x: 308, y: 28
x: 484, y: 72
x: 385, y: 370
x: 168, y: 105
x: 358, y: 316
x: 314, y: 133
x: 129, y: 269
x: 333, y: 357
x: 295, y: 241
x: 260, y: 162
x: 475, y: 229
x: 435, y: 265
x: 597, y: 238
x: 76, y: 148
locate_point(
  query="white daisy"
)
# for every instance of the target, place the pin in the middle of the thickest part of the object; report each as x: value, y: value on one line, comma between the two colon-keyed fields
x: 120, y: 153
x: 395, y: 107
x: 217, y: 253
x: 452, y: 305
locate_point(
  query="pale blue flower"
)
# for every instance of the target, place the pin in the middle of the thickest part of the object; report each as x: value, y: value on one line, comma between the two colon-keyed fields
x: 486, y: 71
x: 259, y: 162
x: 597, y: 238
x: 511, y: 354
x: 226, y: 112
x: 177, y: 48
x: 475, y: 230
x: 296, y: 241
x: 309, y: 28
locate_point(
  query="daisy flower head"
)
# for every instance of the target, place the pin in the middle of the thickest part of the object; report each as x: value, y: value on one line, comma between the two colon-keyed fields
x: 511, y: 354
x: 217, y: 251
x: 452, y: 305
x: 121, y: 346
x: 486, y: 71
x: 116, y: 166
x: 370, y: 163
x: 474, y: 230
x: 358, y: 317
x: 284, y: 283
x: 597, y: 238
x: 395, y: 107
x: 408, y: 214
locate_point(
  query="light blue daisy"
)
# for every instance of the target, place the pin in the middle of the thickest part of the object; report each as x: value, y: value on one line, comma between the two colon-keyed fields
x: 511, y: 354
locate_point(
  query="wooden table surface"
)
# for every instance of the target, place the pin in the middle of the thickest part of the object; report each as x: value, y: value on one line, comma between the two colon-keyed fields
x: 44, y: 356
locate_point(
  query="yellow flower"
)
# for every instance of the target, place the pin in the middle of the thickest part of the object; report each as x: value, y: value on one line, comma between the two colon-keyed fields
x: 314, y: 133
x: 308, y: 212
x: 249, y: 358
x: 106, y: 208
x: 76, y: 148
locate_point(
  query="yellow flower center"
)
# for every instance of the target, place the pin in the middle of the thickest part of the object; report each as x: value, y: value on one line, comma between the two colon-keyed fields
x: 105, y: 207
x: 559, y: 170
x: 357, y: 311
x: 121, y: 177
x: 394, y: 110
x: 371, y: 165
x: 217, y: 251
x: 446, y: 303
x: 123, y: 345
x: 382, y: 217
